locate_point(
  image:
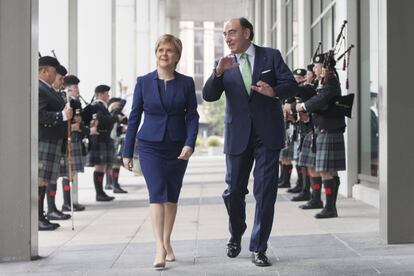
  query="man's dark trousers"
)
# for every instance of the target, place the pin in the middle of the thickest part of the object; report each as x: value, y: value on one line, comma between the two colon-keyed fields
x: 265, y: 175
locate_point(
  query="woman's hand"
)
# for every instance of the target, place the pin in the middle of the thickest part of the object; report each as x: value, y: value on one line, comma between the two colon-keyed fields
x: 186, y: 153
x: 128, y: 163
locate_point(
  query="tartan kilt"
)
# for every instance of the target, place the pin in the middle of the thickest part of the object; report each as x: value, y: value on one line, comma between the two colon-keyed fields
x: 118, y: 149
x: 50, y: 152
x: 306, y: 155
x: 100, y: 153
x: 78, y: 160
x: 288, y: 151
x: 330, y: 152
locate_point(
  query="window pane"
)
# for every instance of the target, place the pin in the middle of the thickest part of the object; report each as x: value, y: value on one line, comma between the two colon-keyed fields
x: 325, y: 3
x: 289, y: 25
x: 316, y: 37
x: 316, y: 9
x: 368, y: 139
x: 289, y: 61
x: 273, y: 4
x: 327, y: 31
x: 274, y: 39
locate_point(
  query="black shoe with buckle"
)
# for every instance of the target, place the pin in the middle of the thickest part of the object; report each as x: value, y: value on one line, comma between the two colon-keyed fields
x: 119, y: 190
x: 104, y: 197
x: 260, y: 259
x: 45, y: 225
x: 57, y: 215
x: 233, y: 247
x: 312, y: 204
x: 76, y: 207
x: 302, y: 196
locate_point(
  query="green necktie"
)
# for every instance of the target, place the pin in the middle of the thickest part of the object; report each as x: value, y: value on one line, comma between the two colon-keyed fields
x: 246, y: 72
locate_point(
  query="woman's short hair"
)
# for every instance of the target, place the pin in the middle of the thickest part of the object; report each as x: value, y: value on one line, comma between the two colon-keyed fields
x: 168, y: 38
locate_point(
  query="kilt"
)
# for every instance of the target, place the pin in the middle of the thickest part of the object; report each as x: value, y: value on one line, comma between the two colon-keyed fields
x: 306, y: 155
x: 100, y: 153
x: 50, y: 152
x: 330, y: 152
x: 287, y: 152
x: 78, y: 160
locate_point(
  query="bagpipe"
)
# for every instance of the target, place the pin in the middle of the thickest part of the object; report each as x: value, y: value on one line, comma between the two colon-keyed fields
x: 339, y: 105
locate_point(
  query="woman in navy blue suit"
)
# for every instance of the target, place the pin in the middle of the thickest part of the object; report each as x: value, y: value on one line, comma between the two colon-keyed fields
x: 166, y: 138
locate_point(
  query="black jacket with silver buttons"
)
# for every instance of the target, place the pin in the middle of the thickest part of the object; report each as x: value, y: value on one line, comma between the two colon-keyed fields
x: 51, y: 124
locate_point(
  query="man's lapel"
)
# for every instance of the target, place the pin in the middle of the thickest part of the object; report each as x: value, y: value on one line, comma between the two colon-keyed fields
x: 259, y: 62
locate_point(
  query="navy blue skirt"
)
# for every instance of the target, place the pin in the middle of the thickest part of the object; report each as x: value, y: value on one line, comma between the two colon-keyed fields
x: 162, y: 171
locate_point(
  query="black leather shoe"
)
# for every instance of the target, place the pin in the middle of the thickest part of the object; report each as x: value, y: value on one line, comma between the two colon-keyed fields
x: 301, y: 197
x: 76, y: 207
x: 295, y: 190
x: 312, y: 204
x: 108, y: 186
x: 119, y: 190
x: 233, y: 248
x: 284, y: 184
x: 57, y: 215
x: 327, y: 213
x: 260, y: 259
x: 104, y: 197
x: 45, y: 225
x: 55, y: 224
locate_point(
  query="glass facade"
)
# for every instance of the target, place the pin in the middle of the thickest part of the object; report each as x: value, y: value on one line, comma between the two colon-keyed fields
x: 322, y: 29
x: 199, y: 55
x: 368, y: 96
x: 273, y: 31
x: 291, y: 33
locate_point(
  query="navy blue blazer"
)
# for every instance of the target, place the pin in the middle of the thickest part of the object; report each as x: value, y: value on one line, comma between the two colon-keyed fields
x: 244, y: 111
x: 180, y: 120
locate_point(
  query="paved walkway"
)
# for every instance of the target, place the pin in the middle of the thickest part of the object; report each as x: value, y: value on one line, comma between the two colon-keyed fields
x: 116, y: 238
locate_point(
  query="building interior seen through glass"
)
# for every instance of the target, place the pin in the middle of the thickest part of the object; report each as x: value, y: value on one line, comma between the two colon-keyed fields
x: 368, y: 140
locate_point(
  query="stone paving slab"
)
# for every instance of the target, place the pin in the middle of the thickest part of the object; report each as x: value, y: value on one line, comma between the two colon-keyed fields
x: 115, y: 238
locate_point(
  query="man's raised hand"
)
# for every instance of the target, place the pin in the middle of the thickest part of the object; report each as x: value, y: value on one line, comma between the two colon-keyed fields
x: 226, y: 63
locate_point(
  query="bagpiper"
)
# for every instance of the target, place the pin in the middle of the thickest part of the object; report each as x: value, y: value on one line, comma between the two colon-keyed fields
x: 101, y: 149
x: 53, y: 114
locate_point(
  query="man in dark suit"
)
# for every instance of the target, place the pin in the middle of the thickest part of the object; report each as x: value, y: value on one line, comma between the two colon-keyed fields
x: 255, y: 80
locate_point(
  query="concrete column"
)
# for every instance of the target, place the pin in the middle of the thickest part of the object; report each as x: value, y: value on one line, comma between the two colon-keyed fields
x: 267, y: 23
x: 258, y: 19
x: 19, y: 135
x: 352, y: 133
x: 144, y: 46
x: 73, y: 37
x: 147, y: 33
x: 395, y: 132
x: 173, y: 17
x: 250, y: 10
x: 114, y: 84
x: 281, y: 27
x: 304, y: 32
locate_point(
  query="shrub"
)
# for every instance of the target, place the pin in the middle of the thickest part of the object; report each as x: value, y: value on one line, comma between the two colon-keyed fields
x: 213, y: 141
x: 198, y: 141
